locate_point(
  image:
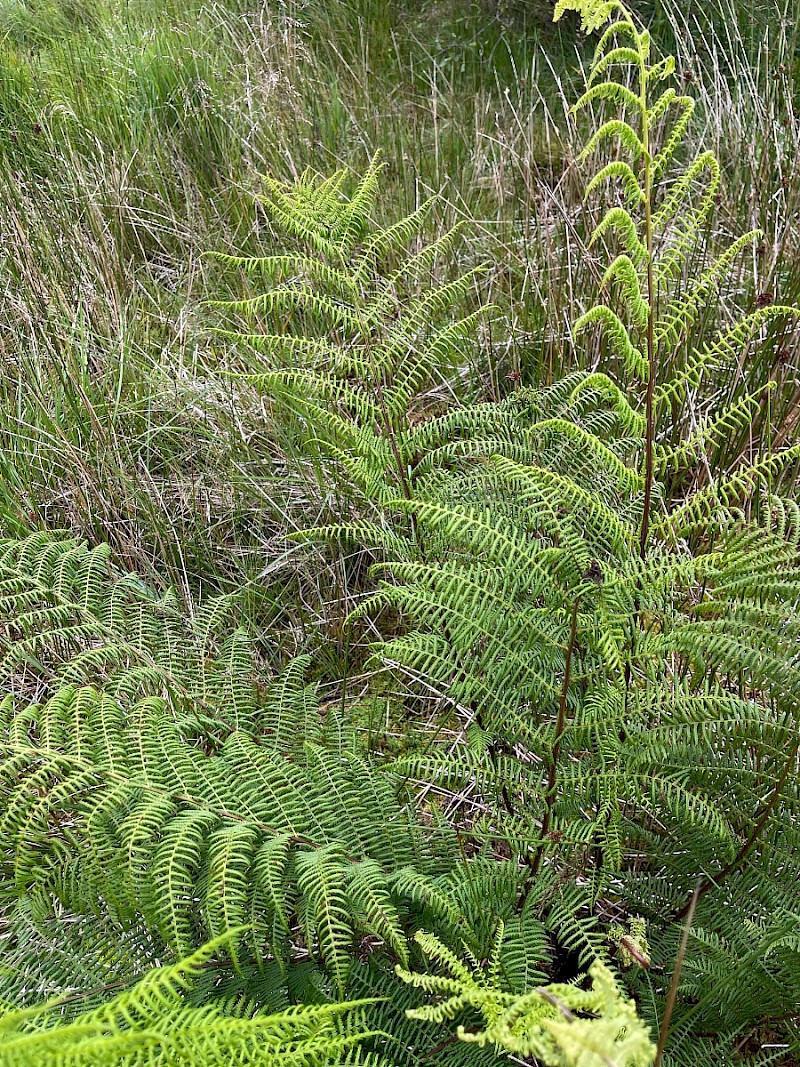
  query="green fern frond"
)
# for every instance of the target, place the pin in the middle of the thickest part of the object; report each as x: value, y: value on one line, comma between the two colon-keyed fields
x: 392, y: 239
x: 548, y: 1022
x: 685, y: 106
x: 729, y: 420
x: 607, y: 390
x: 613, y: 92
x: 618, y: 220
x: 621, y: 171
x: 714, y: 502
x: 156, y: 1019
x: 681, y: 313
x: 614, y: 330
x: 603, y: 59
x: 594, y: 13
x: 623, y: 27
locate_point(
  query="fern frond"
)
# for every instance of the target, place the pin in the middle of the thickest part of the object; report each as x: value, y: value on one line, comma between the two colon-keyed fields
x: 533, y: 1024
x: 619, y: 220
x: 729, y: 420
x: 630, y: 419
x: 614, y: 330
x: 707, y: 504
x: 312, y: 268
x: 613, y: 92
x: 156, y: 1019
x: 619, y: 170
x: 603, y: 59
x: 726, y: 347
x: 393, y: 238
x: 623, y: 27
x: 594, y: 13
x: 288, y: 299
x: 681, y: 313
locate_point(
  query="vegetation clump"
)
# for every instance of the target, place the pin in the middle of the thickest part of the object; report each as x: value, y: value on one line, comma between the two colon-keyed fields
x: 398, y: 664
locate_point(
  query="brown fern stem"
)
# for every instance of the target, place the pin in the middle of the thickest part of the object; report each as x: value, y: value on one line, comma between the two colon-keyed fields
x: 651, y: 319
x: 755, y: 833
x: 676, y: 977
x: 552, y: 777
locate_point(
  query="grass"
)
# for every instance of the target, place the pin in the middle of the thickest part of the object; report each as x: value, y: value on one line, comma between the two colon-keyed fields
x: 132, y: 139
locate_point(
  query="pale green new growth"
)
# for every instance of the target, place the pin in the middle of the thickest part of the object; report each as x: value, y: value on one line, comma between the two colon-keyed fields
x: 560, y: 1025
x: 368, y: 329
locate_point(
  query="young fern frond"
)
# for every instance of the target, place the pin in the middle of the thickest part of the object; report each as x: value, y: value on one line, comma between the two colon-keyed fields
x: 713, y: 505
x: 685, y: 106
x: 681, y: 313
x: 558, y: 1024
x: 623, y: 132
x: 386, y: 333
x: 623, y: 271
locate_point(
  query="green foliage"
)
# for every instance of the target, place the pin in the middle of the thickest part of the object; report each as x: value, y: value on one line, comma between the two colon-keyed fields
x: 80, y: 620
x: 156, y: 1022
x: 617, y: 653
x: 180, y: 806
x: 584, y: 703
x: 368, y: 333
x: 560, y: 1025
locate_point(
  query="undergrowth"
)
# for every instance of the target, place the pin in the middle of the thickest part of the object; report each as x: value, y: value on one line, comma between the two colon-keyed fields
x: 399, y: 574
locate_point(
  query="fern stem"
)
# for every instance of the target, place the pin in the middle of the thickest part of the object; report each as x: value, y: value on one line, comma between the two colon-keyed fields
x: 552, y: 777
x: 651, y: 313
x: 747, y: 847
x: 393, y: 444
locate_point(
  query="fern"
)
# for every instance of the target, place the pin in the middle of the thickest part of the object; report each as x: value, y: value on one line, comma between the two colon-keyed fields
x: 614, y: 656
x: 547, y: 1023
x: 367, y: 329
x: 155, y: 1021
x: 72, y: 618
x: 591, y: 625
x: 196, y: 845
